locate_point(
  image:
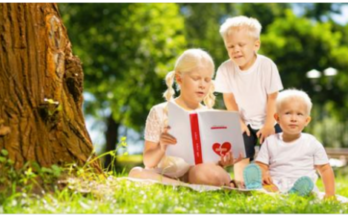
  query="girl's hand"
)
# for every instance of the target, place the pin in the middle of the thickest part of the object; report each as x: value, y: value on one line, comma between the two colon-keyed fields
x: 227, y: 159
x: 166, y: 139
x: 264, y: 132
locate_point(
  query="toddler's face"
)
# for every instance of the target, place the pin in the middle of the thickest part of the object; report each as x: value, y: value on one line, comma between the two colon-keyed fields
x: 242, y: 48
x: 293, y: 117
x: 195, y: 85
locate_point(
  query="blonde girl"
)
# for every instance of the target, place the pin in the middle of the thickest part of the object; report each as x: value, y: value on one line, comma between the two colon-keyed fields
x: 193, y: 74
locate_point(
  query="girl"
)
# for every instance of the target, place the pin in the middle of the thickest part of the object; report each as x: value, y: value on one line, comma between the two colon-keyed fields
x: 193, y: 73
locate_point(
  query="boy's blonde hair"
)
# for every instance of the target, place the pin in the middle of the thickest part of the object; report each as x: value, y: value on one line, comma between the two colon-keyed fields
x: 251, y: 24
x: 188, y: 61
x: 287, y: 95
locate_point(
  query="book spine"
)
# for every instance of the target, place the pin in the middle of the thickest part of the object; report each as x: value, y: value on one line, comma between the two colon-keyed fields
x: 196, y: 139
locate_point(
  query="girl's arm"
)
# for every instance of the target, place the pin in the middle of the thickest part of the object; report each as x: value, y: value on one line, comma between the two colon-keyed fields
x: 328, y: 177
x: 154, y: 152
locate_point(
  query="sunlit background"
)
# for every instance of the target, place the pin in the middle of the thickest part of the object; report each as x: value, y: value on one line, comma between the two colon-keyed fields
x: 127, y: 48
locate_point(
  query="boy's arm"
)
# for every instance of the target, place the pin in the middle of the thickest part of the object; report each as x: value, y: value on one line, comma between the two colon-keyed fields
x: 328, y: 177
x: 231, y: 104
x: 268, y: 127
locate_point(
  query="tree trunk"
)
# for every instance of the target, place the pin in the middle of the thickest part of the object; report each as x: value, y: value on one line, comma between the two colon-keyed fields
x: 111, y: 135
x: 41, y: 84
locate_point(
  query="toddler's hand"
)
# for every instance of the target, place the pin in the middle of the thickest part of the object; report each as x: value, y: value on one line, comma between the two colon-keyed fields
x: 264, y: 132
x: 228, y: 160
x: 166, y: 139
x: 266, y: 179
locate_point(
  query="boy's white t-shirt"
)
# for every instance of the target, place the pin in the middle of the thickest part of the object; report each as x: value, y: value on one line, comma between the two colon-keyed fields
x: 250, y: 88
x: 292, y: 160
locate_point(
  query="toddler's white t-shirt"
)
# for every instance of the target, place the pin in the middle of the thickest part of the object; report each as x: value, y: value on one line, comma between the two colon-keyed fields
x: 250, y: 88
x: 289, y: 161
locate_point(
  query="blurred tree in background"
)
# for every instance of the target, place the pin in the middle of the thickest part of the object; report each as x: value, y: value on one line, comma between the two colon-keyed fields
x: 127, y: 49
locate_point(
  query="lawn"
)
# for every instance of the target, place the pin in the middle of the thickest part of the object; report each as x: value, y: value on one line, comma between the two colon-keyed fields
x: 93, y: 194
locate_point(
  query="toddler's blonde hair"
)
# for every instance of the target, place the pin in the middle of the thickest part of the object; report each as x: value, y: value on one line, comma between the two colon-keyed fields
x: 238, y: 22
x: 290, y: 94
x: 188, y: 61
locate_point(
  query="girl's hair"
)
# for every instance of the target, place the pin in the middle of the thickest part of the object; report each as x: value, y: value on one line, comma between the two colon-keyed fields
x: 188, y: 61
x: 290, y: 94
x: 238, y: 22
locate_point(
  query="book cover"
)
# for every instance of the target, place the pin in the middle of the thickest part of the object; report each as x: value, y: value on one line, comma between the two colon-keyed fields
x: 203, y: 135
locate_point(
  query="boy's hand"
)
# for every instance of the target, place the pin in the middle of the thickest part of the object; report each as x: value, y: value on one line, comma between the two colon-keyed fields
x: 245, y: 129
x: 166, y: 139
x: 228, y: 160
x: 264, y: 132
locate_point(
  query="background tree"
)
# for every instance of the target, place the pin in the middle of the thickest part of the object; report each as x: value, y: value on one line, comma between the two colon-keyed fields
x: 298, y: 45
x: 126, y: 49
x: 41, y: 88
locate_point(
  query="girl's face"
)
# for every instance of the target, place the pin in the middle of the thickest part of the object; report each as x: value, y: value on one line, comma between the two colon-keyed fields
x: 195, y: 85
x: 242, y: 48
x: 292, y: 118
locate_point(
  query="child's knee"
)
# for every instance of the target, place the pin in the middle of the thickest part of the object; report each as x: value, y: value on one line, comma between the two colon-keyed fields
x: 136, y: 172
x: 209, y: 175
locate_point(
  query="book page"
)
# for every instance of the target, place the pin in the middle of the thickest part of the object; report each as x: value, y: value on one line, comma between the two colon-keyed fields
x: 220, y: 132
x: 180, y: 128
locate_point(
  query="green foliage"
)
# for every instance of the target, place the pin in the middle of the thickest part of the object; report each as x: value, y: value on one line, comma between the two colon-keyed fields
x: 298, y: 45
x: 26, y: 179
x: 126, y: 50
x: 265, y: 13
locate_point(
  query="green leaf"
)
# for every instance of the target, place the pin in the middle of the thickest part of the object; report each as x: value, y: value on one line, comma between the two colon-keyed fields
x: 2, y: 159
x: 4, y: 152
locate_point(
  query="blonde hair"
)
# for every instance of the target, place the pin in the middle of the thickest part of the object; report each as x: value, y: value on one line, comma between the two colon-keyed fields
x: 289, y: 94
x: 188, y: 61
x: 238, y: 22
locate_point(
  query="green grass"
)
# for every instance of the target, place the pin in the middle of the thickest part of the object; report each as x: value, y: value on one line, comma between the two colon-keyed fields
x: 123, y: 196
x: 78, y: 190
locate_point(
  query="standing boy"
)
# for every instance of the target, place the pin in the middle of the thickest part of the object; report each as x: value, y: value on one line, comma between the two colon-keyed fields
x: 250, y: 83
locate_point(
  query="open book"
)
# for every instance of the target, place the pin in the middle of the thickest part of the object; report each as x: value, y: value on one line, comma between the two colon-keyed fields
x: 203, y: 135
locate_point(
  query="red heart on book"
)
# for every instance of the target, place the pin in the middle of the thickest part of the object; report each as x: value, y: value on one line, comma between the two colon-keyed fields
x: 222, y: 149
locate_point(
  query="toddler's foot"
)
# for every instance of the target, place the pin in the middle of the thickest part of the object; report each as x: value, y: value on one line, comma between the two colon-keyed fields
x: 252, y: 177
x: 303, y: 186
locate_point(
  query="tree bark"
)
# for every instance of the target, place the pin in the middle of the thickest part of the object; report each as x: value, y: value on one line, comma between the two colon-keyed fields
x: 41, y: 84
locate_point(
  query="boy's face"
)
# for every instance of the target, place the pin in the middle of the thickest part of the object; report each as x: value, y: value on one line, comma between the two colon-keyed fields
x: 242, y: 48
x: 293, y: 117
x: 195, y: 85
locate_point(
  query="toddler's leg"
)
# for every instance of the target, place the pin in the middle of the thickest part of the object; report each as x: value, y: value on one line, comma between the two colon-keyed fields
x: 252, y: 177
x: 208, y: 174
x: 303, y: 186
